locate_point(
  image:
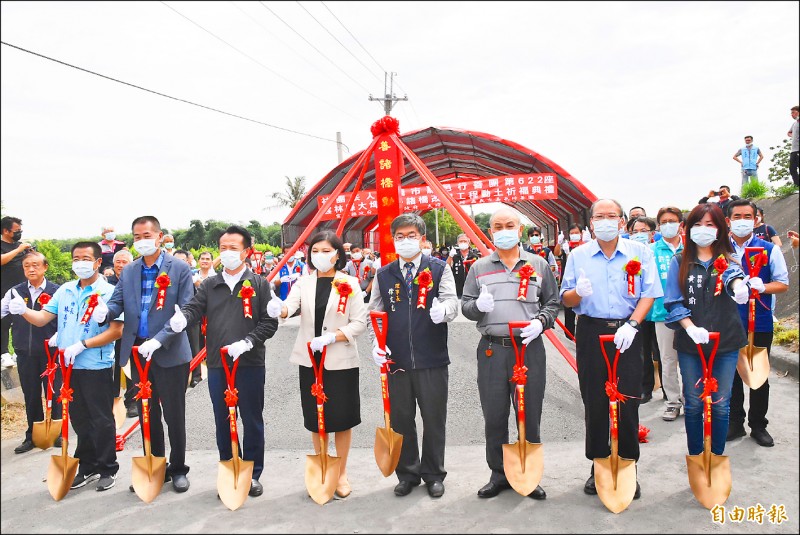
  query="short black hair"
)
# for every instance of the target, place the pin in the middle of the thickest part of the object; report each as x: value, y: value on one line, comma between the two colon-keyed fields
x: 751, y: 137
x: 147, y: 219
x: 8, y: 222
x: 740, y: 202
x: 531, y: 230
x: 650, y: 222
x: 574, y: 226
x: 335, y: 241
x: 639, y: 207
x: 183, y: 252
x: 247, y: 238
x: 726, y: 187
x: 94, y: 246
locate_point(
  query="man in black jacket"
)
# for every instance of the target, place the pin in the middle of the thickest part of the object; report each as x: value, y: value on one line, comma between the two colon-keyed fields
x: 725, y: 197
x: 241, y: 324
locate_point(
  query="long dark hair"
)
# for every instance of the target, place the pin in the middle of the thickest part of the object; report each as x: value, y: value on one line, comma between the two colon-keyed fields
x: 722, y: 246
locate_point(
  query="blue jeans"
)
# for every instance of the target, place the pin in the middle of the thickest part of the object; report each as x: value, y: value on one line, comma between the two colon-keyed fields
x: 692, y: 371
x: 748, y: 175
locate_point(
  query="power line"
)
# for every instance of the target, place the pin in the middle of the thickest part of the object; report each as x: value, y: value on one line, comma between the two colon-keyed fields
x: 315, y: 48
x: 337, y: 40
x: 170, y: 97
x: 258, y: 62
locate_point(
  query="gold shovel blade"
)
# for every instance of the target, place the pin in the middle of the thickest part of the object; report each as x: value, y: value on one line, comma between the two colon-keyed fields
x: 120, y: 414
x: 616, y: 497
x: 322, y: 476
x: 60, y: 475
x: 711, y: 484
x: 147, y: 475
x: 753, y: 366
x: 523, y: 464
x: 388, y: 445
x: 233, y: 484
x: 45, y: 433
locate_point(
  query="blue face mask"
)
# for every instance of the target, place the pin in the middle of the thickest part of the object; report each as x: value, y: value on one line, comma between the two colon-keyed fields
x: 536, y: 240
x: 606, y: 229
x: 669, y: 230
x: 641, y: 237
x: 169, y: 245
x: 506, y: 239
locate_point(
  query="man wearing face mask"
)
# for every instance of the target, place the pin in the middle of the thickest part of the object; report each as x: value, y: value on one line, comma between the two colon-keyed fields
x: 535, y: 246
x: 168, y: 243
x: 109, y: 246
x: 490, y: 298
x: 219, y: 298
x: 460, y: 259
x: 89, y: 347
x: 426, y: 247
x: 771, y: 280
x: 147, y: 293
x: 11, y: 272
x: 292, y: 270
x: 596, y: 285
x: 417, y: 342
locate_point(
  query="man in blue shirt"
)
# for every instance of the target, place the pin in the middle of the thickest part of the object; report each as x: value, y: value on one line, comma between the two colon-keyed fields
x: 595, y: 285
x: 751, y: 157
x: 90, y: 348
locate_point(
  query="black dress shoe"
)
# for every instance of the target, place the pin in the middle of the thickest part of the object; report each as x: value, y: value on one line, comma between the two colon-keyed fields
x: 638, y: 493
x: 404, y: 488
x: 734, y: 432
x: 538, y: 493
x: 589, y: 487
x: 761, y: 436
x: 180, y: 483
x: 435, y: 488
x: 492, y: 489
x: 256, y: 489
x: 132, y: 411
x: 27, y: 445
x: 194, y: 383
x: 646, y: 398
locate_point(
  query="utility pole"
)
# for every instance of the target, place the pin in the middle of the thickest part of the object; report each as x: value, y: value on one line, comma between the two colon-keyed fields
x: 339, y: 145
x: 389, y: 98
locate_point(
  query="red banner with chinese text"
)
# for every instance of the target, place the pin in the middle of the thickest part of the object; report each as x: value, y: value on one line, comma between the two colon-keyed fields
x: 507, y: 188
x: 388, y: 164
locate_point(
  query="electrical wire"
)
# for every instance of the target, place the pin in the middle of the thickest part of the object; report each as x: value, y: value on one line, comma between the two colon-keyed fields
x: 259, y: 63
x: 173, y: 98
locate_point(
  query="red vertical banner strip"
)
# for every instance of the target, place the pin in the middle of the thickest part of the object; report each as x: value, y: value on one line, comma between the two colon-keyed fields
x: 388, y: 171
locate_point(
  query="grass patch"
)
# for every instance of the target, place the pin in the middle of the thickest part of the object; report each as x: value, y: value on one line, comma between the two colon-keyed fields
x: 784, y: 191
x: 754, y: 189
x: 786, y: 334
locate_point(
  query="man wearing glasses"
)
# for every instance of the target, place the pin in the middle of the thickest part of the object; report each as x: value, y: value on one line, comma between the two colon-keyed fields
x: 595, y: 285
x: 416, y: 342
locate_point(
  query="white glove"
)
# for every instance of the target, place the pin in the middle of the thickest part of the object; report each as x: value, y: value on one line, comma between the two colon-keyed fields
x: 275, y: 307
x: 178, y: 321
x: 485, y: 301
x: 741, y: 292
x: 149, y: 347
x: 53, y: 342
x: 561, y: 238
x: 236, y: 349
x: 438, y: 311
x: 379, y: 355
x: 100, y: 311
x: 317, y: 343
x: 452, y: 252
x: 583, y: 286
x: 17, y: 304
x: 586, y: 235
x: 624, y: 337
x: 532, y: 331
x: 286, y: 278
x: 294, y: 276
x: 565, y: 247
x: 697, y: 334
x: 757, y: 284
x: 195, y: 277
x: 71, y: 352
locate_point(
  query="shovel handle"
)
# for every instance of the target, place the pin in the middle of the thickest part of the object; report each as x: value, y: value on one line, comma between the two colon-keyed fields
x: 612, y: 370
x: 708, y: 364
x: 66, y: 374
x: 519, y: 355
x: 380, y: 331
x: 230, y: 373
x: 137, y: 360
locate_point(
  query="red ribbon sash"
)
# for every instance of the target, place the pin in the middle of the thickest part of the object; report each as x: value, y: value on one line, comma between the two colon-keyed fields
x: 522, y: 294
x: 90, y: 306
x: 631, y: 286
x: 422, y: 297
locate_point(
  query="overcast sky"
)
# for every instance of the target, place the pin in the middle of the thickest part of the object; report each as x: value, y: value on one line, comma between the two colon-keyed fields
x: 643, y: 102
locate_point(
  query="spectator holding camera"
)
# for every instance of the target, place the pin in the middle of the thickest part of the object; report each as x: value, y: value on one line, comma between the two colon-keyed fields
x: 725, y: 197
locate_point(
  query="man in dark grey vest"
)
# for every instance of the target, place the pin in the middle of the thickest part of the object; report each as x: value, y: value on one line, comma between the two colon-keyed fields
x: 491, y: 298
x: 418, y: 337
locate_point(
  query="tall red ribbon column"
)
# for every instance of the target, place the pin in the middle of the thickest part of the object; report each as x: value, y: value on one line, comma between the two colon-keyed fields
x: 388, y: 171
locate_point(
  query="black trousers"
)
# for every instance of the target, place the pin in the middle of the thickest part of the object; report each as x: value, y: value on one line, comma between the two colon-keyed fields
x: 650, y: 353
x: 592, y: 377
x: 794, y: 162
x: 30, y: 368
x: 5, y: 327
x: 569, y: 320
x: 92, y: 418
x: 169, y: 398
x: 428, y: 389
x: 130, y: 385
x: 196, y: 343
x: 759, y: 398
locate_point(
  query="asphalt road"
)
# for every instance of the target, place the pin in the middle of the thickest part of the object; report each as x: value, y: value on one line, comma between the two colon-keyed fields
x: 760, y: 475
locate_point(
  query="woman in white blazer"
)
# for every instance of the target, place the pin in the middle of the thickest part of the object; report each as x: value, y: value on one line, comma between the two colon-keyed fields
x: 326, y: 323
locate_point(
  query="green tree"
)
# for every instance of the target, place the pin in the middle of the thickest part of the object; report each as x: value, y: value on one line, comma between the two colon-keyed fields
x: 272, y: 234
x: 295, y: 190
x: 780, y: 163
x: 482, y: 220
x: 448, y: 228
x: 59, y: 269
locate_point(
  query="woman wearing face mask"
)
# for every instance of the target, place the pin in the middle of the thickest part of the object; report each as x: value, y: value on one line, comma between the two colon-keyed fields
x: 694, y: 311
x: 324, y: 324
x: 109, y: 245
x: 575, y: 239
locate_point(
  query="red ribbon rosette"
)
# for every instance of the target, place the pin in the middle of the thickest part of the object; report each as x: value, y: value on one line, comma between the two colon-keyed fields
x: 425, y: 282
x: 231, y: 396
x: 643, y: 433
x: 162, y: 283
x: 90, y: 306
x: 319, y: 393
x: 65, y: 394
x: 710, y: 386
x: 720, y: 265
x: 613, y: 392
x: 246, y: 293
x: 145, y: 390
x: 519, y: 375
x: 385, y: 125
x: 525, y: 273
x: 44, y: 298
x: 344, y: 290
x: 633, y: 268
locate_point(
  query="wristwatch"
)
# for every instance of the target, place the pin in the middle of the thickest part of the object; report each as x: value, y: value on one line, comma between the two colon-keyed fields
x: 633, y: 323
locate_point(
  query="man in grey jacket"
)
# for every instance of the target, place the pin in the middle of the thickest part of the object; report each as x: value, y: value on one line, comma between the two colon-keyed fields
x: 490, y: 297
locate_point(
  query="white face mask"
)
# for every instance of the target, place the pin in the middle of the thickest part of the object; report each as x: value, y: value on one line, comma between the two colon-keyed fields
x: 145, y: 247
x: 84, y: 269
x: 407, y: 248
x: 641, y: 237
x: 606, y: 229
x: 324, y: 262
x: 574, y: 238
x: 463, y: 245
x: 742, y: 228
x: 231, y: 259
x: 354, y: 256
x: 109, y: 236
x: 506, y: 239
x: 703, y: 236
x: 669, y: 230
x: 427, y: 251
x: 536, y: 240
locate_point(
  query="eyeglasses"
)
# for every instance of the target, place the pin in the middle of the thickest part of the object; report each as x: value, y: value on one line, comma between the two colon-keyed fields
x: 410, y: 236
x: 600, y: 217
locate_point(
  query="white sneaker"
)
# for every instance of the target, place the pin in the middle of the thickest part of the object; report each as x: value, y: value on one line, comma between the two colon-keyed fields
x: 7, y: 361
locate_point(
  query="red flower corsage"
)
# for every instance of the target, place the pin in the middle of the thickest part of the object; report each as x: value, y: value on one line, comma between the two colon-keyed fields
x: 162, y: 283
x: 720, y: 265
x: 632, y: 268
x: 44, y: 298
x: 525, y: 274
x: 344, y: 290
x: 246, y: 293
x: 424, y: 280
